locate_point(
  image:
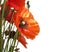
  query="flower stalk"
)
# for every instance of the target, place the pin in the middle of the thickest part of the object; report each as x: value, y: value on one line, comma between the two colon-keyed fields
x: 0, y: 1
x: 1, y: 34
x: 1, y: 38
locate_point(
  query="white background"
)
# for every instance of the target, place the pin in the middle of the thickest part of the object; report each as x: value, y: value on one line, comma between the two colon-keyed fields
x: 47, y: 13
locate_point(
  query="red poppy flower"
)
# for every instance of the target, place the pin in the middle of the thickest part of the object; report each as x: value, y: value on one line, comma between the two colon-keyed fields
x: 26, y: 24
x: 22, y: 40
x: 17, y: 4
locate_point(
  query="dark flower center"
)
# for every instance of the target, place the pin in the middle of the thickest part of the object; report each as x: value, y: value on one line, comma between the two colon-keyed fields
x: 22, y: 24
x: 12, y: 33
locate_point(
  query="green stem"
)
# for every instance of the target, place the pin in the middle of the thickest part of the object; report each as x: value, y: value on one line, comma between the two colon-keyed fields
x: 3, y: 9
x: 1, y: 42
x: 1, y: 35
x: 0, y: 1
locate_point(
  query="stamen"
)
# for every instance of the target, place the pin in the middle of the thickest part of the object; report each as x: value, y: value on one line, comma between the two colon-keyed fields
x: 23, y: 22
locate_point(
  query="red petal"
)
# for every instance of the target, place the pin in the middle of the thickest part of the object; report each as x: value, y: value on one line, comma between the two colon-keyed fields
x: 9, y: 16
x: 17, y: 4
x: 22, y: 40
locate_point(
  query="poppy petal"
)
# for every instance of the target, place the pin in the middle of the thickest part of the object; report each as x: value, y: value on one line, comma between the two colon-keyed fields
x: 22, y: 40
x: 17, y: 4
